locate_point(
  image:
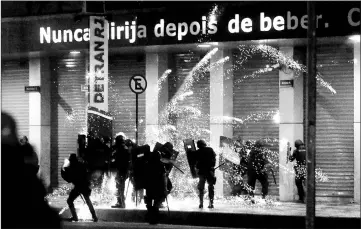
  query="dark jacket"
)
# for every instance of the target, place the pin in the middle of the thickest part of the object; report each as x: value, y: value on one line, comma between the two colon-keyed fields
x: 206, y: 160
x: 156, y: 177
x: 122, y: 159
x: 80, y: 175
x: 256, y: 160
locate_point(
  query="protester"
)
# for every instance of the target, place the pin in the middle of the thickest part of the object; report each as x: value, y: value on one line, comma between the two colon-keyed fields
x: 79, y: 176
x: 206, y: 161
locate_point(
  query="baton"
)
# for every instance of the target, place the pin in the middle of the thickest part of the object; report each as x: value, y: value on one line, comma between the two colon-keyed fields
x: 220, y: 165
x: 178, y: 168
x: 172, y: 163
x: 81, y: 195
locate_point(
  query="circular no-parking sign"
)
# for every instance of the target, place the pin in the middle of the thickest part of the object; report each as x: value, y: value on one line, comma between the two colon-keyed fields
x: 138, y: 84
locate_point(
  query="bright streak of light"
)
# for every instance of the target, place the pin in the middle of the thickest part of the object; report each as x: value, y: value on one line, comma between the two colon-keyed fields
x: 277, y: 118
x: 277, y: 56
x: 203, y: 45
x: 355, y: 38
x: 83, y: 212
x: 188, y: 82
x: 183, y: 96
x: 63, y: 210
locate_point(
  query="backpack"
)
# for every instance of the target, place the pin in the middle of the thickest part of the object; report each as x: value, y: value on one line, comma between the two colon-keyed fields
x: 66, y: 171
x: 66, y: 174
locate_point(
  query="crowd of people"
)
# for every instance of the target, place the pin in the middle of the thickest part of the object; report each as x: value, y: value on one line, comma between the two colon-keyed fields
x: 147, y: 170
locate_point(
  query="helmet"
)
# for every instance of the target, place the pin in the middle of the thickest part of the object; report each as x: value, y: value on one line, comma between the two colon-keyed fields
x: 169, y: 146
x: 298, y: 143
x: 122, y: 134
x: 201, y: 144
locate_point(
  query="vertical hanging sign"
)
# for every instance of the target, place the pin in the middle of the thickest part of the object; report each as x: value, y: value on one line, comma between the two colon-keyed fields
x: 98, y: 62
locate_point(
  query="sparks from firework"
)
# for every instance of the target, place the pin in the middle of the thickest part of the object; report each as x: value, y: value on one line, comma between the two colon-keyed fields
x: 196, y: 112
x: 173, y: 107
x: 277, y: 56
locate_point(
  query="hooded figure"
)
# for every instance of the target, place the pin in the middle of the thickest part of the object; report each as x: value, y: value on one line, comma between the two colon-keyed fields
x: 299, y: 154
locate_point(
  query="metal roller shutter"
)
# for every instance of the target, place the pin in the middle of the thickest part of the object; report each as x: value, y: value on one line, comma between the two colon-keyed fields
x: 198, y: 126
x: 255, y: 97
x: 68, y: 109
x: 334, y: 122
x: 122, y: 99
x: 14, y: 100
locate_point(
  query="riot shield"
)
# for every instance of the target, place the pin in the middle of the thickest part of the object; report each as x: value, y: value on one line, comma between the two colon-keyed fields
x: 190, y: 149
x: 140, y: 156
x: 99, y: 123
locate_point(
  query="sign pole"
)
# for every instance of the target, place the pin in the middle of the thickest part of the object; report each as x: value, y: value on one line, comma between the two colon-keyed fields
x: 136, y: 118
x: 137, y: 84
x: 311, y: 115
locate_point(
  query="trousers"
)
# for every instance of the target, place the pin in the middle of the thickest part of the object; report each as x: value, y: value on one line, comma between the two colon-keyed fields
x: 253, y: 176
x: 210, y: 178
x: 74, y: 193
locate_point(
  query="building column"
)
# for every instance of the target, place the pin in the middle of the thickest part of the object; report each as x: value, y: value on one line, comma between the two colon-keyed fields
x: 156, y: 67
x: 39, y: 114
x: 221, y: 104
x: 290, y: 127
x: 357, y: 121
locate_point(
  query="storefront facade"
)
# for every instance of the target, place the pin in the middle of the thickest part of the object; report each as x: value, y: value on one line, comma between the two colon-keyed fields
x: 221, y: 69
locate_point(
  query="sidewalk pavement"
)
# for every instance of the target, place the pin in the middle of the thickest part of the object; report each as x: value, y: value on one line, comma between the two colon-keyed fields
x: 227, y: 213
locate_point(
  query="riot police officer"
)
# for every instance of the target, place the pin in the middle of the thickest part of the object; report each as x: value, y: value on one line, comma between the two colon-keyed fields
x: 300, y: 167
x: 157, y: 181
x: 122, y: 165
x: 206, y: 160
x: 256, y: 169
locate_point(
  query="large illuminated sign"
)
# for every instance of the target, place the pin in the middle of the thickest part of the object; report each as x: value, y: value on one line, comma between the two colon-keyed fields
x: 219, y: 23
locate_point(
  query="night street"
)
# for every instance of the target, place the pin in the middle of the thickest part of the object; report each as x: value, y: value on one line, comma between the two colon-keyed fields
x: 180, y: 114
x: 111, y: 225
